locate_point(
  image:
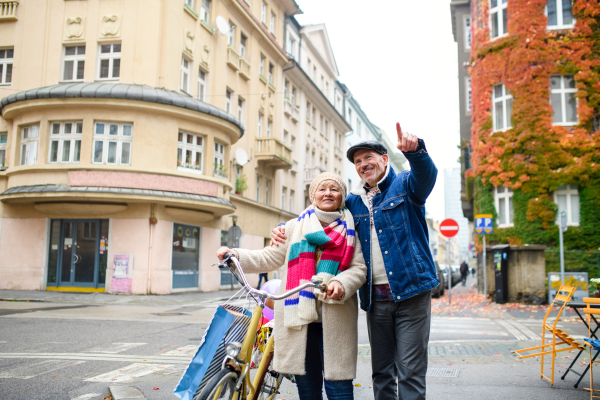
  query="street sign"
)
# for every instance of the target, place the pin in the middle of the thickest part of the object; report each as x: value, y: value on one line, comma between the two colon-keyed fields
x: 449, y: 227
x: 484, y: 224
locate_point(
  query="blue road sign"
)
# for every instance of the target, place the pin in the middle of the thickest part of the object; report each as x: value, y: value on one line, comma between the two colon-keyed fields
x: 484, y: 224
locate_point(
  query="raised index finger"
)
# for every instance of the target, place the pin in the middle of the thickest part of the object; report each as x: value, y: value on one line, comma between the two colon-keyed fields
x: 399, y: 130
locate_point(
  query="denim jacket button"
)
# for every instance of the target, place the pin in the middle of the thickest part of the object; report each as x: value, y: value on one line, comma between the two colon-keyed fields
x: 390, y: 272
x: 398, y: 297
x: 386, y: 253
x: 380, y: 231
x: 392, y: 204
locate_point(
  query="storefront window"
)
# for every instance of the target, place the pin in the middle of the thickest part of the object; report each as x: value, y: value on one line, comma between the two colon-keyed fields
x: 186, y: 256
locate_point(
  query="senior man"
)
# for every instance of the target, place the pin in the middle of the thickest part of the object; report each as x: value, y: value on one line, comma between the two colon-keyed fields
x: 389, y: 215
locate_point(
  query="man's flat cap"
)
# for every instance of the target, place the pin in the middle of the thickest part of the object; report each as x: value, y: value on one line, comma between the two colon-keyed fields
x: 366, y: 145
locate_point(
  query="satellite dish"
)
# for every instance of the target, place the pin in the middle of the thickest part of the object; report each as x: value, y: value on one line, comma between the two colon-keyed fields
x: 241, y: 157
x: 222, y: 25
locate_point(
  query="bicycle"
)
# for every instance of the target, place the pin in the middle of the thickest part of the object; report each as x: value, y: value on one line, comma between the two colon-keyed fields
x: 233, y: 380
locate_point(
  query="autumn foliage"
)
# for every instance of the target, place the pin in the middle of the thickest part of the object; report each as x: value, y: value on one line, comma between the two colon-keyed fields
x: 534, y: 157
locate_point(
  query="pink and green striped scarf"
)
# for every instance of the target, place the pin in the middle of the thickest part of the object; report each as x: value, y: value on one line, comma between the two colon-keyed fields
x: 337, y: 242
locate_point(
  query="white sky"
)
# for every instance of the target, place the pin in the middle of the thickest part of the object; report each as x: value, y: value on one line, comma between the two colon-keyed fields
x: 398, y: 58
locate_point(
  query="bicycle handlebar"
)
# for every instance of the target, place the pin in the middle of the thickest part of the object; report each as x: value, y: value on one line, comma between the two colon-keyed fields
x: 230, y: 261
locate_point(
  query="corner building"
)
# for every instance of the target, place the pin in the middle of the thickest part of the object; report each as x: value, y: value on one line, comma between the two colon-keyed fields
x: 120, y: 120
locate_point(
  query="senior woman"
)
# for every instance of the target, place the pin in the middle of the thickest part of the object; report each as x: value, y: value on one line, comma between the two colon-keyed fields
x: 316, y: 334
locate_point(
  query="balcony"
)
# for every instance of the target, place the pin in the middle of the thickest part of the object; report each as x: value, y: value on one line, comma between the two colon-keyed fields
x: 270, y: 152
x: 287, y: 107
x: 295, y: 113
x: 233, y: 59
x: 245, y: 69
x: 8, y: 10
x: 311, y: 173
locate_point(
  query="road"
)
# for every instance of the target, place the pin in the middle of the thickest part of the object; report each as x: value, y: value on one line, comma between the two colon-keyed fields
x: 66, y: 349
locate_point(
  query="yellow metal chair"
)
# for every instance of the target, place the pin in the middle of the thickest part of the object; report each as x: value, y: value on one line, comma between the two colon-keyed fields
x: 559, y: 337
x: 591, y: 311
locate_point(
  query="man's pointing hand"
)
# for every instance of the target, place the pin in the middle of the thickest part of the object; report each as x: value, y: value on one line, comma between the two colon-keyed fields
x: 406, y: 141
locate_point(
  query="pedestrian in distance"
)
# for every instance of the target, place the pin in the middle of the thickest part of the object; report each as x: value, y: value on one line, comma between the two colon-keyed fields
x: 464, y: 272
x: 316, y: 335
x: 262, y: 276
x: 389, y: 216
x: 473, y: 272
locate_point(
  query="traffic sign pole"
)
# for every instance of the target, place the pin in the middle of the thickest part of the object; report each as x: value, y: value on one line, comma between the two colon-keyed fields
x: 484, y: 225
x: 562, y: 228
x: 484, y: 274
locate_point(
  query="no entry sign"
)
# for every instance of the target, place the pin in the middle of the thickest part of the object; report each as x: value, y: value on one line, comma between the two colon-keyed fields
x: 449, y: 227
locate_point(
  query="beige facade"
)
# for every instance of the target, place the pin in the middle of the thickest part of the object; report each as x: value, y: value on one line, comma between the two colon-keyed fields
x: 120, y: 121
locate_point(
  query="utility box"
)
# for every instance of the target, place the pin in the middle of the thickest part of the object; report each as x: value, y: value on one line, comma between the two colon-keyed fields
x: 500, y: 257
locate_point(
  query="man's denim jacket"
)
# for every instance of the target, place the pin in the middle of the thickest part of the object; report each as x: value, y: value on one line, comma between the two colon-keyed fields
x: 399, y: 215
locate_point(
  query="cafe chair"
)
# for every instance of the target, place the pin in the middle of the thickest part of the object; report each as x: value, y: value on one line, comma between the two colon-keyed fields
x: 561, y: 341
x: 591, y: 343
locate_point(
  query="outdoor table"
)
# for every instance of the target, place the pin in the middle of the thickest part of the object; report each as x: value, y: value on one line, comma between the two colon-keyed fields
x: 576, y: 305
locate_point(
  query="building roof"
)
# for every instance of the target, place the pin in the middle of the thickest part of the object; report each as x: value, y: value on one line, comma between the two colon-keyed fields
x: 109, y: 90
x: 98, y: 189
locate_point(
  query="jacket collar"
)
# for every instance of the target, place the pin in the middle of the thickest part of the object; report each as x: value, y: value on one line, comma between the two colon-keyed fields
x: 383, y: 184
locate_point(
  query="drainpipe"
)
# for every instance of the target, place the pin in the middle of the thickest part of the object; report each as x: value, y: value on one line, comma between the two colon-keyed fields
x: 153, y: 222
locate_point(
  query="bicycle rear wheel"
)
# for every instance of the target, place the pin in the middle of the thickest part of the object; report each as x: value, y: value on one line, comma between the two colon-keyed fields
x: 220, y: 387
x: 269, y: 385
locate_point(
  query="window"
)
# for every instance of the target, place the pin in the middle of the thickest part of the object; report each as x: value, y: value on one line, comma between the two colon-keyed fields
x: 286, y: 85
x: 315, y: 74
x: 65, y: 142
x: 202, y: 84
x: 358, y: 127
x: 567, y: 199
x: 112, y: 143
x: 271, y: 71
x: 504, y: 206
x: 272, y: 25
x: 231, y: 35
x: 219, y: 168
x: 261, y: 66
x: 501, y: 108
x: 293, y: 146
x: 293, y: 99
x: 110, y: 61
x: 292, y: 193
x: 268, y: 192
x: 190, y: 151
x: 321, y: 124
x: 283, y: 192
x: 562, y: 97
x: 205, y: 11
x: 350, y: 115
x: 3, y: 140
x: 308, y: 111
x: 243, y: 40
x: 559, y: 14
x: 269, y: 128
x: 291, y: 47
x: 185, y: 75
x: 228, y: 101
x: 260, y: 125
x: 258, y: 188
x: 326, y: 133
x: 468, y: 37
x: 190, y: 3
x: 263, y: 13
x: 498, y: 18
x: 241, y: 109
x: 73, y: 63
x: 314, y: 116
x: 6, y: 66
x: 285, y: 137
x: 468, y: 93
x: 322, y: 83
x: 29, y: 144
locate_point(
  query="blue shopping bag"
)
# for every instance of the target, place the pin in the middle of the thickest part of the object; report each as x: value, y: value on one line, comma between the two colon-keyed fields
x: 229, y: 323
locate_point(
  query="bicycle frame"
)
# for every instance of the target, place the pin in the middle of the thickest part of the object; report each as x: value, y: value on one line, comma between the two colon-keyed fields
x: 245, y: 389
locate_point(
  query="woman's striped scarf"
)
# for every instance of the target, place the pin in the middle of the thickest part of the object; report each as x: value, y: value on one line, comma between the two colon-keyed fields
x: 337, y: 242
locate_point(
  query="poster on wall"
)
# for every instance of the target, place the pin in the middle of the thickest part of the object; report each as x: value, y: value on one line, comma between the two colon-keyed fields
x: 122, y: 266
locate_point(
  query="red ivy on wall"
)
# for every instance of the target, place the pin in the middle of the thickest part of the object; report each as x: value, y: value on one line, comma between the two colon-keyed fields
x: 534, y: 156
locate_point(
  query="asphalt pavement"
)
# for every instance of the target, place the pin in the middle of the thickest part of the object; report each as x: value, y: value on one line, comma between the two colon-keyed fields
x: 75, y: 346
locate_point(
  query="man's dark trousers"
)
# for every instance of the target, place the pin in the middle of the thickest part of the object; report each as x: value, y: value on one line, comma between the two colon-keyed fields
x: 399, y: 334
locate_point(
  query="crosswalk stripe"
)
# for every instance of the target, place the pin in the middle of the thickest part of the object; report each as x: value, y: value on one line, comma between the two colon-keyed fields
x: 87, y: 396
x: 115, y: 348
x: 128, y: 373
x: 465, y: 331
x: 524, y: 329
x: 29, y: 370
x: 100, y: 357
x: 514, y: 331
x: 185, y: 351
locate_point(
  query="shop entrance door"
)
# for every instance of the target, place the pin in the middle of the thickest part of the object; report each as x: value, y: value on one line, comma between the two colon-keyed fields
x: 78, y: 253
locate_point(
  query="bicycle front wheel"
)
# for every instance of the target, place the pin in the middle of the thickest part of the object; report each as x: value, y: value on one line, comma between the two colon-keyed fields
x: 220, y: 387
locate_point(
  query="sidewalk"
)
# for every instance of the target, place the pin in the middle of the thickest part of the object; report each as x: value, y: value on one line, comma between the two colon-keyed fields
x: 106, y: 298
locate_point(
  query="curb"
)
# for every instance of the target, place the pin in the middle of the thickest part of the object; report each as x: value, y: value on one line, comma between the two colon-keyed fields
x: 125, y: 393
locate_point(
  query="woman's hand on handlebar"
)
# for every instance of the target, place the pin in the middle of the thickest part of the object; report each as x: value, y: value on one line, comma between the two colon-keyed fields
x: 224, y: 250
x: 335, y: 291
